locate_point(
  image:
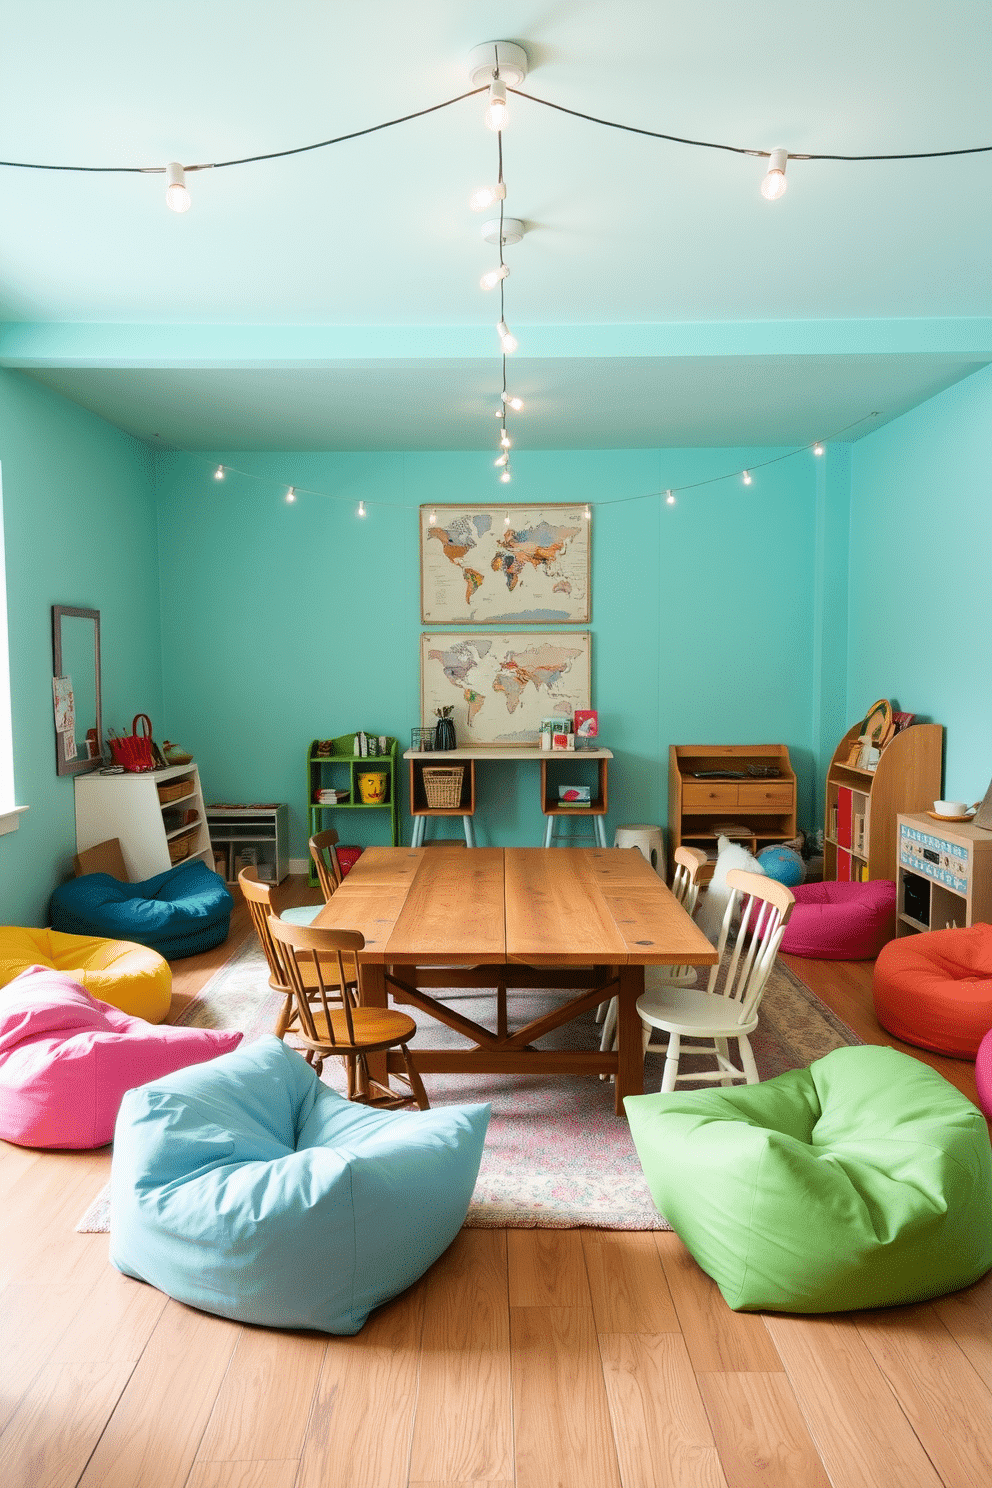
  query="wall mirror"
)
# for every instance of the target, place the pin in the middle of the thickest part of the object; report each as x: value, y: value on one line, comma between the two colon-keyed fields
x: 76, y: 689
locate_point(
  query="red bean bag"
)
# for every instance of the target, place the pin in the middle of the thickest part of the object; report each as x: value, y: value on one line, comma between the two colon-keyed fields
x: 841, y: 921
x: 67, y: 1060
x: 983, y: 1073
x: 935, y: 989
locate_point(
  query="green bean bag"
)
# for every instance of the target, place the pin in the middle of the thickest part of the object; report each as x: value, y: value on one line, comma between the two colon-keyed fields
x: 863, y: 1181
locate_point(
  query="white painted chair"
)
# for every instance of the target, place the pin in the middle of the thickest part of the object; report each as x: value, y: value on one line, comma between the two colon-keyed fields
x: 745, y: 962
x: 691, y: 864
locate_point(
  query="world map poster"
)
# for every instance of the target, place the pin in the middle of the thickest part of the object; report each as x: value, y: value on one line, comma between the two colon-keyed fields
x: 477, y: 568
x: 502, y: 686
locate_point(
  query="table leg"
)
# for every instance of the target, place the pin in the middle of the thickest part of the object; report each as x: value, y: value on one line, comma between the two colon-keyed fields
x: 630, y: 1056
x: 374, y: 995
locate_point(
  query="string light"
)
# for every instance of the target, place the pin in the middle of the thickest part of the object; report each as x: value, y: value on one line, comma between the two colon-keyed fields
x: 774, y: 183
x: 361, y: 509
x: 505, y: 440
x: 291, y: 494
x: 432, y: 519
x: 486, y: 196
x: 818, y: 448
x: 508, y: 341
x: 497, y: 111
x: 502, y: 459
x: 515, y: 403
x: 506, y: 519
x: 669, y: 498
x: 746, y: 477
x: 587, y: 513
x: 492, y: 277
x: 219, y: 473
x: 505, y: 478
x: 177, y: 197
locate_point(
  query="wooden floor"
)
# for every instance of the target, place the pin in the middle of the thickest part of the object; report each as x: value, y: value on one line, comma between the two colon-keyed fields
x: 527, y: 1357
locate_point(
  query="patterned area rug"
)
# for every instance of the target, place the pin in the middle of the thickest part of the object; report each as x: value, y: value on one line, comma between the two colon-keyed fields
x: 556, y: 1155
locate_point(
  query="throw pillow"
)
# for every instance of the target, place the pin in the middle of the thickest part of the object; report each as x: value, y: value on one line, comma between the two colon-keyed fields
x: 713, y: 904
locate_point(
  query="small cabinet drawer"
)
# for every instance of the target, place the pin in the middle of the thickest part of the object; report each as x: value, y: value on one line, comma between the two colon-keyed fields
x: 696, y: 793
x: 775, y: 793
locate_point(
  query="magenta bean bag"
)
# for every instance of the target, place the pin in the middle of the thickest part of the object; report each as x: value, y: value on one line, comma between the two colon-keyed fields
x: 841, y: 921
x: 66, y: 1060
x: 983, y: 1073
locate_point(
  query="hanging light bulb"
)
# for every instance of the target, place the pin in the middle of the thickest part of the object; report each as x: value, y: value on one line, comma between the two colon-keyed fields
x: 515, y: 403
x: 587, y: 513
x: 509, y: 341
x: 491, y: 277
x: 505, y: 440
x: 496, y: 113
x: 177, y: 198
x: 774, y: 183
x: 746, y: 477
x: 503, y: 459
x: 432, y: 519
x: 818, y: 448
x: 291, y: 494
x: 361, y: 509
x: 669, y: 498
x: 219, y: 473
x: 486, y: 196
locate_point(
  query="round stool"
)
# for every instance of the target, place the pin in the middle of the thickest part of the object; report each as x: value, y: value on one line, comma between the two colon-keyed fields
x: 649, y: 841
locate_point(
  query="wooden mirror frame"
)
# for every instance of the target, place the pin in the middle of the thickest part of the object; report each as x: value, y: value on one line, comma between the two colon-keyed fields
x: 63, y: 765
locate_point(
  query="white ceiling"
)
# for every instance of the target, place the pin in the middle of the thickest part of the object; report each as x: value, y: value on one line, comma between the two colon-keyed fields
x: 372, y: 241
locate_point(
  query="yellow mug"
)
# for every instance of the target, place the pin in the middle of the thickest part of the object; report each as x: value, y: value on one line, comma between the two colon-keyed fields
x: 372, y: 788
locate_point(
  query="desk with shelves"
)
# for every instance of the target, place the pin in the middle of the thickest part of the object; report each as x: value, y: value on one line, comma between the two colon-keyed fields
x: 552, y: 765
x: 943, y: 874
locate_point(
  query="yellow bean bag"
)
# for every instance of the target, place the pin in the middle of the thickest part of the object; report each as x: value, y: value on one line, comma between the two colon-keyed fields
x: 130, y: 977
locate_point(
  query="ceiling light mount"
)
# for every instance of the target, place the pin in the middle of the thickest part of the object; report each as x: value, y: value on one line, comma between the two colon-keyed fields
x: 513, y: 230
x: 510, y: 59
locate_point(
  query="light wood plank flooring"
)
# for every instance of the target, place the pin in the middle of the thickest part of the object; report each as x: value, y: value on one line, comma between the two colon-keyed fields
x: 527, y: 1357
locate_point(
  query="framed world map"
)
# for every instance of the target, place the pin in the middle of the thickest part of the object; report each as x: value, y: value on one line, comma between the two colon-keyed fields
x: 501, y: 686
x: 478, y: 569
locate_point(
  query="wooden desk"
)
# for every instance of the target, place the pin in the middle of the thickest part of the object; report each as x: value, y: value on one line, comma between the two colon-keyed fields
x: 587, y: 920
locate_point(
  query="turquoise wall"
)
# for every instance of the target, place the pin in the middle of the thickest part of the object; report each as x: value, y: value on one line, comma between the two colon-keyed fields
x: 283, y: 623
x: 920, y: 595
x: 79, y: 526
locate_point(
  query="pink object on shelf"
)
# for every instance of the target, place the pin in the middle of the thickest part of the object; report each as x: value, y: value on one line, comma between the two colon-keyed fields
x: 841, y: 921
x: 66, y: 1060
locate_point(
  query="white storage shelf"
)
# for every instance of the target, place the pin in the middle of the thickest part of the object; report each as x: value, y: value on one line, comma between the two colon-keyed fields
x: 250, y: 834
x: 129, y: 808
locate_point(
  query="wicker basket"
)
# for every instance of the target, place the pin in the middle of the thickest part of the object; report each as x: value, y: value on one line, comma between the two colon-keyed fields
x: 443, y: 785
x: 175, y: 790
x: 180, y: 847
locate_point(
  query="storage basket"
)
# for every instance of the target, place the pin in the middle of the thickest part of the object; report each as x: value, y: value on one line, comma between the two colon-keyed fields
x: 174, y: 791
x: 180, y: 847
x: 443, y: 785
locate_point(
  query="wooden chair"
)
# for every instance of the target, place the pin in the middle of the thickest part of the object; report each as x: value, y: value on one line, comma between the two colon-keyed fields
x: 692, y: 869
x: 258, y: 897
x: 324, y: 852
x: 745, y: 962
x: 348, y: 1031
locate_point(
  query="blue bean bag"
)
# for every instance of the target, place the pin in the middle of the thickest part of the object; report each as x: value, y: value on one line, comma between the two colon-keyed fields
x: 249, y: 1189
x: 178, y: 913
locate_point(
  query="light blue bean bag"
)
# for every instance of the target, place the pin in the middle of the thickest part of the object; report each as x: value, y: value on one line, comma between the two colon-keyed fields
x: 249, y: 1189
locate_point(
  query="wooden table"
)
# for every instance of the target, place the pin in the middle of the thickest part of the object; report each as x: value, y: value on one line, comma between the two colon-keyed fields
x: 574, y: 918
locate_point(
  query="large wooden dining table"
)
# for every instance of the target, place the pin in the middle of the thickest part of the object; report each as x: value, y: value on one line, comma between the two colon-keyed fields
x: 585, y: 921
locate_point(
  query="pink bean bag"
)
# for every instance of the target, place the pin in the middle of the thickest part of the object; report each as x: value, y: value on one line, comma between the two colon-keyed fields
x: 841, y: 921
x: 983, y: 1073
x: 66, y: 1060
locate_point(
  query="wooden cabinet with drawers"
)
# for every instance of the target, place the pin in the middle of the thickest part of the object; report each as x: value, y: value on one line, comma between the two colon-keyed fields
x: 749, y: 786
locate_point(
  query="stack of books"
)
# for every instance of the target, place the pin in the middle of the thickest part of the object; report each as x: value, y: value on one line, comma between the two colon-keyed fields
x: 331, y: 797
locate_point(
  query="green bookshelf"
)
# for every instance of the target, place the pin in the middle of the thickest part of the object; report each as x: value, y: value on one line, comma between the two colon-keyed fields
x: 339, y: 771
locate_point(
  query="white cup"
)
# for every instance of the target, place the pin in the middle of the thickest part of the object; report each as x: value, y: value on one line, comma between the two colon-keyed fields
x: 950, y: 808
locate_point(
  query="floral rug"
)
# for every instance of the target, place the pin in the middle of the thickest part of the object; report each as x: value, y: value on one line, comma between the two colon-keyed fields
x: 556, y: 1155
